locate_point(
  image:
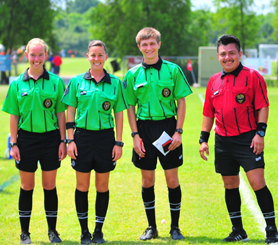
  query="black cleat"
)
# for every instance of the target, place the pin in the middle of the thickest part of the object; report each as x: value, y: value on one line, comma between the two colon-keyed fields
x: 237, y: 235
x: 98, y: 237
x: 25, y: 238
x: 86, y: 237
x: 176, y: 233
x: 149, y: 233
x: 271, y: 234
x: 54, y: 236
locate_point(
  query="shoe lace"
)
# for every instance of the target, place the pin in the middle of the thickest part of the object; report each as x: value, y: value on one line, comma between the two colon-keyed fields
x: 24, y: 236
x: 176, y: 229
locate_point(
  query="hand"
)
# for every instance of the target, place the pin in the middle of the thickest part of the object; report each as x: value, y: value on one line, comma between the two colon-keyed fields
x: 15, y: 153
x: 204, y: 148
x: 177, y: 140
x: 138, y: 146
x: 72, y: 150
x: 62, y: 151
x: 258, y: 144
x: 117, y: 152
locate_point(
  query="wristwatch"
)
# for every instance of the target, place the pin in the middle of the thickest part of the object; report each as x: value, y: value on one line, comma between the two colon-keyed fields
x: 64, y: 141
x: 133, y: 134
x: 260, y: 133
x: 119, y: 143
x: 12, y: 144
x: 179, y: 130
x: 70, y: 140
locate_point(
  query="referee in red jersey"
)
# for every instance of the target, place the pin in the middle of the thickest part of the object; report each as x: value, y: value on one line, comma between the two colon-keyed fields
x: 237, y: 98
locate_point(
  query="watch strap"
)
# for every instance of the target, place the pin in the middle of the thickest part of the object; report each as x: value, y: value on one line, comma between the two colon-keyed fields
x: 119, y: 143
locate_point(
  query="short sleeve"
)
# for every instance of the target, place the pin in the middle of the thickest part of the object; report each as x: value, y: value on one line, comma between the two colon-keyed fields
x: 10, y: 104
x: 128, y: 80
x: 61, y: 89
x: 69, y: 97
x: 121, y: 102
x: 182, y: 87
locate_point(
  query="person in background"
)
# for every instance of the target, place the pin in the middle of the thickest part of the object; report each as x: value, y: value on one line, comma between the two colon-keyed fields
x: 57, y: 61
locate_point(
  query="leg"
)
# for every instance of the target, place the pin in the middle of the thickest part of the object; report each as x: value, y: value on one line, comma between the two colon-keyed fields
x: 101, y: 205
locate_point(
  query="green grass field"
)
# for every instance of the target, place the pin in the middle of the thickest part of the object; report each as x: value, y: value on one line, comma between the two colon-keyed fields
x: 204, y: 218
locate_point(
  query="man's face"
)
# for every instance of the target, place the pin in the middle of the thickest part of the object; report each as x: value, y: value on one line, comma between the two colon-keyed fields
x: 229, y: 57
x: 149, y: 49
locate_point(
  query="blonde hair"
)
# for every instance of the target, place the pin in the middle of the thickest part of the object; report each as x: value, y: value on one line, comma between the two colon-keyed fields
x: 147, y: 33
x: 36, y: 41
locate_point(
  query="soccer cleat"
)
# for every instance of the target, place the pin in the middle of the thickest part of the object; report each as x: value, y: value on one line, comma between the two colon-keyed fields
x: 236, y: 235
x: 25, y: 238
x: 54, y: 236
x: 86, y: 237
x: 98, y: 237
x: 271, y: 234
x: 149, y: 233
x: 176, y: 233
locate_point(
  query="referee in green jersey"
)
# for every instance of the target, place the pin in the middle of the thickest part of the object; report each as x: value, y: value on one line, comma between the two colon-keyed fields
x: 38, y: 133
x: 94, y: 95
x: 155, y: 86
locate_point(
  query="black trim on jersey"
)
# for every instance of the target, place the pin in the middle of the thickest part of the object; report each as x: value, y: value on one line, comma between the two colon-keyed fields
x: 236, y: 121
x: 31, y: 121
x: 162, y: 109
x: 114, y: 90
x: 234, y: 81
x: 86, y: 119
x: 29, y: 84
x: 44, y: 75
x: 126, y: 106
x: 184, y: 78
x: 102, y: 87
x: 223, y: 122
x: 246, y: 81
x: 261, y: 88
x: 45, y: 122
x: 150, y: 111
x: 146, y: 75
x: 99, y: 120
x: 249, y: 118
x: 156, y: 66
x: 43, y: 84
x: 158, y: 75
x: 110, y: 121
x: 234, y: 72
x: 106, y: 78
x: 54, y: 87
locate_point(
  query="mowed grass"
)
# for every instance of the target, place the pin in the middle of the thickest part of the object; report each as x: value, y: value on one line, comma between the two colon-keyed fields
x: 204, y: 218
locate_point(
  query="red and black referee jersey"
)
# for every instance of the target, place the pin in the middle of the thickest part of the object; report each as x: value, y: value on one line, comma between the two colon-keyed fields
x: 234, y: 99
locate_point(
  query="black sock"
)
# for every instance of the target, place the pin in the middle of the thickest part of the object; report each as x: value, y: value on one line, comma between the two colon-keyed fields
x: 233, y: 203
x: 25, y: 208
x: 102, y: 200
x: 265, y: 202
x: 175, y: 205
x: 149, y: 203
x: 81, y: 204
x: 51, y: 207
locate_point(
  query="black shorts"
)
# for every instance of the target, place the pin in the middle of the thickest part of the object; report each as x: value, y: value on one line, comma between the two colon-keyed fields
x: 233, y: 152
x: 94, y: 150
x: 150, y: 131
x: 42, y: 147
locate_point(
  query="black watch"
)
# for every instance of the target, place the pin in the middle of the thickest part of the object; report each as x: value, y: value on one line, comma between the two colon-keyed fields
x: 260, y: 133
x: 69, y: 140
x: 119, y: 143
x: 64, y: 141
x: 12, y: 144
x: 179, y: 130
x: 133, y: 134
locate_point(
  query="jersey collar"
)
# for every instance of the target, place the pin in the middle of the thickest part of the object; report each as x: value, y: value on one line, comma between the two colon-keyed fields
x: 26, y: 76
x: 106, y: 78
x: 234, y: 72
x: 157, y: 65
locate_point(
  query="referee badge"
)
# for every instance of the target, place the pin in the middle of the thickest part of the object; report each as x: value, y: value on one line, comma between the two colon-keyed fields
x: 47, y: 103
x: 166, y: 92
x: 106, y: 105
x: 240, y: 98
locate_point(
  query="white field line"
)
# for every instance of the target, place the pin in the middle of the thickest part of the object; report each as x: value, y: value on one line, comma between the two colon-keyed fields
x: 246, y: 195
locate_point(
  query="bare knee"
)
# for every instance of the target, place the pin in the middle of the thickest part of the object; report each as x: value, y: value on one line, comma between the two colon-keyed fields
x: 231, y: 182
x: 27, y: 186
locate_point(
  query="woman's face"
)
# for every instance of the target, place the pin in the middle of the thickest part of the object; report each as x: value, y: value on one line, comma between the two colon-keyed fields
x: 97, y: 57
x: 36, y: 56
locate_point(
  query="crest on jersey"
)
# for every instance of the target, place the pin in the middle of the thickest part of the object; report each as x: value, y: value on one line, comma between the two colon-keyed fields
x: 240, y: 98
x: 47, y: 103
x: 106, y: 105
x: 166, y: 92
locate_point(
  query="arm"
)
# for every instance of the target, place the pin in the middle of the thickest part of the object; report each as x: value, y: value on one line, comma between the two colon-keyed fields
x: 177, y: 139
x: 14, y: 129
x: 62, y: 128
x: 72, y: 149
x: 138, y: 144
x: 207, y: 125
x: 117, y: 150
x: 258, y: 141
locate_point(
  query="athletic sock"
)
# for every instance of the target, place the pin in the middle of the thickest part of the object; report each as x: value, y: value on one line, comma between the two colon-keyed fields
x: 51, y: 207
x: 81, y: 204
x: 175, y: 205
x: 25, y: 209
x: 233, y: 203
x: 149, y: 203
x: 102, y: 201
x: 265, y: 202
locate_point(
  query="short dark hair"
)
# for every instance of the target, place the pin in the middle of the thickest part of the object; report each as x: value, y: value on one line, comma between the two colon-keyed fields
x: 97, y: 43
x: 227, y: 39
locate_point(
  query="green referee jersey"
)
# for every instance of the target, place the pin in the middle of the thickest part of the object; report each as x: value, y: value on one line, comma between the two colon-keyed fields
x: 95, y: 101
x: 155, y: 88
x: 36, y: 101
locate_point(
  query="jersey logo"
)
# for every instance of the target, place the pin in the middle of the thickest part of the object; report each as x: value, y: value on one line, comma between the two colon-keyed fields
x: 83, y: 92
x: 24, y: 94
x: 106, y: 105
x: 166, y: 92
x: 240, y: 98
x: 47, y: 103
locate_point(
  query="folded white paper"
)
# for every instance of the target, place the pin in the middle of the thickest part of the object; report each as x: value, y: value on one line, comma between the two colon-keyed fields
x: 160, y: 141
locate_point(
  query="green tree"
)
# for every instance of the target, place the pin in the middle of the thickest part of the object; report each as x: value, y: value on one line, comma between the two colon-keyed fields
x: 117, y: 22
x: 82, y: 6
x: 275, y: 21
